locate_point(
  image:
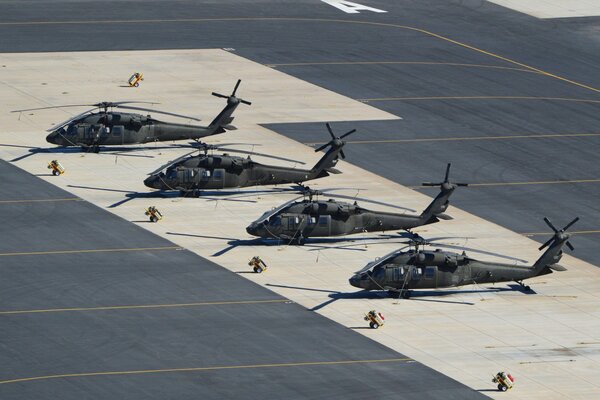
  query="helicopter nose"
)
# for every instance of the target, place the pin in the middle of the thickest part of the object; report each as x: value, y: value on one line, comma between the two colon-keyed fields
x: 152, y: 182
x: 251, y: 229
x: 52, y: 138
x: 355, y: 281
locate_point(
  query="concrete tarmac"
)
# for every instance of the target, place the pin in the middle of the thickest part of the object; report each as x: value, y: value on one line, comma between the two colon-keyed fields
x: 148, y: 319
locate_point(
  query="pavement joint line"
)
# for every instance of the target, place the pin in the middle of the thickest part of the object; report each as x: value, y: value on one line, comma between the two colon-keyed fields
x: 521, y: 183
x: 40, y: 200
x: 450, y: 139
x: 577, y: 100
x: 35, y: 253
x: 144, y: 306
x: 201, y: 369
x: 308, y: 64
x: 326, y: 20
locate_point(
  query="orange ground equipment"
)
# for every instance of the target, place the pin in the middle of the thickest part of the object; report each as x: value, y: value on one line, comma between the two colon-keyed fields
x: 504, y: 380
x: 134, y: 80
x: 257, y: 264
x: 375, y: 319
x: 154, y: 214
x: 56, y: 167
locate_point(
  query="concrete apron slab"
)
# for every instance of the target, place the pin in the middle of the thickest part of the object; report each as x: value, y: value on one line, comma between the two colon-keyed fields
x: 549, y: 341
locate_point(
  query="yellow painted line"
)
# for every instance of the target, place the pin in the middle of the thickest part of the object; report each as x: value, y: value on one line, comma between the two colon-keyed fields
x: 203, y: 369
x: 308, y: 64
x: 326, y: 20
x: 523, y: 183
x: 39, y: 200
x: 451, y: 139
x: 145, y: 306
x: 36, y: 253
x: 569, y: 232
x: 481, y: 98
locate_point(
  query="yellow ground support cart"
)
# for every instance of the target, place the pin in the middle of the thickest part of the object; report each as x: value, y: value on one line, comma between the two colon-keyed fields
x: 56, y: 167
x: 257, y: 264
x: 154, y: 214
x: 504, y: 380
x: 375, y: 319
x: 134, y: 80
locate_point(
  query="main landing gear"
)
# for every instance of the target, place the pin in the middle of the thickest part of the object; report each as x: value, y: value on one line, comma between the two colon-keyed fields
x: 524, y: 286
x: 396, y: 294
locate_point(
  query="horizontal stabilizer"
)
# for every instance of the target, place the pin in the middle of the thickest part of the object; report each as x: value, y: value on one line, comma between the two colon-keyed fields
x: 333, y: 171
x: 444, y: 216
x: 229, y: 127
x: 557, y: 267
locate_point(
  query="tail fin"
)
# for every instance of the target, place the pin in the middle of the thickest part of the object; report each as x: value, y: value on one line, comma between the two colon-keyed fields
x: 223, y: 120
x: 435, y: 210
x: 552, y: 256
x: 327, y: 163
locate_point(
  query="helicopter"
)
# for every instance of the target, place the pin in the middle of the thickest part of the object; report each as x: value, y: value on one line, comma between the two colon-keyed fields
x: 107, y: 127
x: 400, y: 271
x: 297, y: 220
x: 202, y: 172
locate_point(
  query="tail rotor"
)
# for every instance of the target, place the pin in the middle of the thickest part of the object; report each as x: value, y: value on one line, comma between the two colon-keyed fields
x: 559, y: 234
x: 446, y: 184
x: 232, y: 97
x: 336, y: 142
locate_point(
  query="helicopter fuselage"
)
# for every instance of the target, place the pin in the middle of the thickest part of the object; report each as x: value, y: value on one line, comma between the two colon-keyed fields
x: 308, y: 218
x: 225, y: 171
x: 438, y: 269
x: 118, y: 128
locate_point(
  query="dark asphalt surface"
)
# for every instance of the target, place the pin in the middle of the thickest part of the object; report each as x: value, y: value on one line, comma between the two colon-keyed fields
x: 263, y: 328
x: 291, y: 32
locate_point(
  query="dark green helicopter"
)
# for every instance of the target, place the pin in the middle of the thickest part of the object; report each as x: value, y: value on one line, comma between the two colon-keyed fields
x: 106, y: 127
x: 401, y: 271
x: 297, y: 220
x: 202, y: 172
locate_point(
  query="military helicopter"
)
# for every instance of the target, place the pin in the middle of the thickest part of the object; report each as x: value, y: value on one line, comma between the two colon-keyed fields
x: 401, y: 271
x: 297, y: 220
x: 92, y: 129
x: 201, y: 172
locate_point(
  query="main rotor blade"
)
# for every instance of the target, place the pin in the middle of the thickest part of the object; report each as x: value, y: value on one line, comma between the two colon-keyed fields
x: 570, y: 224
x: 342, y: 154
x: 236, y: 87
x: 274, y: 211
x: 341, y: 196
x: 431, y: 184
x: 168, y: 164
x: 261, y: 154
x: 67, y: 122
x: 158, y: 112
x: 330, y: 130
x: 96, y: 105
x: 570, y: 246
x: 547, y: 221
x: 321, y: 147
x: 447, y: 173
x: 245, y: 102
x: 220, y: 95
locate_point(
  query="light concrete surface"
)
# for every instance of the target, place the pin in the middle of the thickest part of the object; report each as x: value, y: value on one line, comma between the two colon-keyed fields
x: 553, y: 8
x: 549, y: 341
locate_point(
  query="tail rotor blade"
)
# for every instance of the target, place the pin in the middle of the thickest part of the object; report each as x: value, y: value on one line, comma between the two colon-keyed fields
x: 570, y: 224
x: 348, y: 133
x: 236, y: 87
x: 321, y: 147
x: 547, y: 243
x: 547, y: 221
x: 330, y: 130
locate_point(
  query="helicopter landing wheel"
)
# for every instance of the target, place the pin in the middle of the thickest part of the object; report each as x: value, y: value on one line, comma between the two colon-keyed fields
x: 406, y: 294
x: 528, y: 288
x: 394, y: 294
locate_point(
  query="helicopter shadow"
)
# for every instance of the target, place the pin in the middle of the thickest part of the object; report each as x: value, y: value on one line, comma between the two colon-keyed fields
x: 129, y: 195
x: 105, y: 150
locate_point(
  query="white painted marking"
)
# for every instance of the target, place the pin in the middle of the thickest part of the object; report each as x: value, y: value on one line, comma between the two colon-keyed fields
x: 553, y: 8
x: 351, y: 7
